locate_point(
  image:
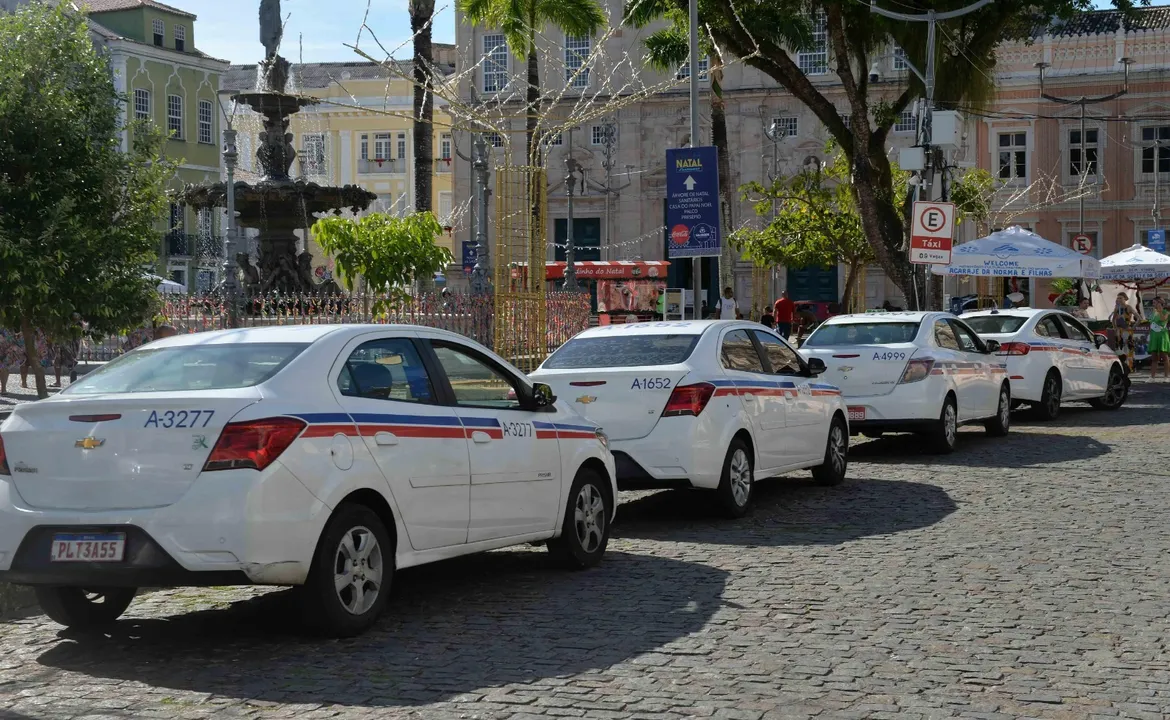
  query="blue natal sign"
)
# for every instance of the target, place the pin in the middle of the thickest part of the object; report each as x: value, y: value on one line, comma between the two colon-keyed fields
x: 469, y: 256
x: 692, y: 202
x: 1156, y: 240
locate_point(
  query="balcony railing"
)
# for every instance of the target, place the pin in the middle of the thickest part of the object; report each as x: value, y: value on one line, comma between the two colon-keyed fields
x: 375, y: 166
x: 443, y: 165
x: 193, y: 246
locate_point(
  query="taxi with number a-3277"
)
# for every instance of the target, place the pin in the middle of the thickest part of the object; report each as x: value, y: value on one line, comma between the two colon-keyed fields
x: 924, y: 372
x: 703, y: 404
x: 326, y: 457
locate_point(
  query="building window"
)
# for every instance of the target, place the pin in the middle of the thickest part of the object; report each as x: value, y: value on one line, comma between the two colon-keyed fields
x: 205, y: 121
x: 577, y: 48
x: 445, y: 146
x: 684, y: 70
x: 401, y: 146
x: 554, y: 139
x: 599, y: 134
x: 815, y: 60
x: 495, y: 139
x: 364, y: 153
x: 1088, y: 165
x: 846, y: 117
x: 180, y: 37
x: 313, y: 153
x: 175, y: 116
x: 203, y: 223
x: 382, y: 146
x: 495, y: 63
x: 900, y: 60
x: 907, y: 122
x: 1013, y: 156
x: 445, y: 208
x: 785, y: 126
x: 141, y: 104
x: 159, y: 31
x: 1151, y: 135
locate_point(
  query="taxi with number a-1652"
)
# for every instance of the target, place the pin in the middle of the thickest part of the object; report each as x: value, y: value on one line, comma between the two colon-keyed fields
x: 319, y: 456
x: 703, y: 404
x: 924, y: 372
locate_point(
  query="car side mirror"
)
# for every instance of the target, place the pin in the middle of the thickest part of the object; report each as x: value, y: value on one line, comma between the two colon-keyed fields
x: 1100, y: 340
x: 816, y: 366
x: 542, y: 395
x: 993, y: 346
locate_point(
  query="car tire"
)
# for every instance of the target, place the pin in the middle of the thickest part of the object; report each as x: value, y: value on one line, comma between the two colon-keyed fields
x: 1116, y: 391
x: 354, y: 547
x: 737, y: 481
x: 585, y: 528
x: 832, y: 470
x: 944, y: 436
x: 999, y: 425
x: 1049, y: 406
x: 83, y: 608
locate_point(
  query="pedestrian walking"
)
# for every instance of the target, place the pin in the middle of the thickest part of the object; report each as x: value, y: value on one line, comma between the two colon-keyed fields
x: 782, y: 311
x: 767, y: 320
x: 806, y: 321
x: 1123, y: 320
x: 728, y: 308
x: 1159, y: 342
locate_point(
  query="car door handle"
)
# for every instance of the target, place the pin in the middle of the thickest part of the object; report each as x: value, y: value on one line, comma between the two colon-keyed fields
x: 480, y: 436
x: 385, y: 438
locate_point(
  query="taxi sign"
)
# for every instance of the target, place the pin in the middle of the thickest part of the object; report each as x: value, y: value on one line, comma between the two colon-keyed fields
x: 932, y: 233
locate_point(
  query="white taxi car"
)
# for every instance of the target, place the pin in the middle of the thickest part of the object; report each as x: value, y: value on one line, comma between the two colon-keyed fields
x: 319, y: 456
x: 921, y: 372
x: 1052, y: 357
x: 709, y: 404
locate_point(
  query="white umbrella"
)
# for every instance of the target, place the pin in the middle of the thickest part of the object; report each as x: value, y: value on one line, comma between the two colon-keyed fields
x: 1137, y: 263
x: 170, y: 287
x: 1017, y: 252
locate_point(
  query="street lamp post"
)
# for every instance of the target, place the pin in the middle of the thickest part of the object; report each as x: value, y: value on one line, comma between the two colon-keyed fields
x: 571, y: 168
x: 480, y: 275
x: 230, y: 282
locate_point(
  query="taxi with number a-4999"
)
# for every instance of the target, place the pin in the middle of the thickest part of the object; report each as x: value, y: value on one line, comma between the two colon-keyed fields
x: 924, y: 372
x: 703, y: 404
x: 326, y: 457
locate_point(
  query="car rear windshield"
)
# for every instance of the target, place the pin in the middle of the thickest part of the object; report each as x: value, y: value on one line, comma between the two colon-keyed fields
x: 862, y: 333
x: 627, y: 351
x: 189, y: 367
x: 996, y: 324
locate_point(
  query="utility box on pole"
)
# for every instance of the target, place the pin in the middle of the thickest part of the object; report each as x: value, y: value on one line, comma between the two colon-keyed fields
x: 947, y: 129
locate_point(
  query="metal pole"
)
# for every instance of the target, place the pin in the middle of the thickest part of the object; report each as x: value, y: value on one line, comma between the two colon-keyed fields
x: 1081, y: 171
x: 1156, y: 213
x: 570, y: 250
x: 480, y: 275
x: 693, y: 12
x: 230, y: 281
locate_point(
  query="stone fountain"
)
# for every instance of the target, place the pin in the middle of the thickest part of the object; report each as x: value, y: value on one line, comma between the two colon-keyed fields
x: 278, y: 205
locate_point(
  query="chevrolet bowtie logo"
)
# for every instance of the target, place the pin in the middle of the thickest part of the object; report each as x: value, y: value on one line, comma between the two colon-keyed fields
x: 89, y: 443
x: 845, y: 368
x: 586, y: 399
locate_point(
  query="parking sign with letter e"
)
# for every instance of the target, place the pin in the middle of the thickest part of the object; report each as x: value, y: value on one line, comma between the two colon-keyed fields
x: 932, y: 232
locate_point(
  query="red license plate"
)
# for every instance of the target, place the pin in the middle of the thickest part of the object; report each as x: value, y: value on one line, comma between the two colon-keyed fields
x: 856, y: 413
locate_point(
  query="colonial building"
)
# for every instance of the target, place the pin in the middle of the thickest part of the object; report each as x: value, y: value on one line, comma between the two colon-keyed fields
x: 360, y: 132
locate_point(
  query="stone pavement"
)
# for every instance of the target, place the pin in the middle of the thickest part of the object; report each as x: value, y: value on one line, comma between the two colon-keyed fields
x: 1025, y: 577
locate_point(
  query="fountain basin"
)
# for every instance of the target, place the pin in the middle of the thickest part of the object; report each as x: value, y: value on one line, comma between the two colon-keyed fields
x: 291, y: 202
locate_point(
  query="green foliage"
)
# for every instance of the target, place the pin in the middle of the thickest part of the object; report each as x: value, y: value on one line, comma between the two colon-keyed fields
x: 78, y: 219
x: 389, y: 252
x: 972, y: 195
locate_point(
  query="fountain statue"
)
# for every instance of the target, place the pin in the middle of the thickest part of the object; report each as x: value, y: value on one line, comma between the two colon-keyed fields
x: 278, y: 205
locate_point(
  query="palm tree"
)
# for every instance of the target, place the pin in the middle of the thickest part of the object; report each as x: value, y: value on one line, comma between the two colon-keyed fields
x: 520, y: 21
x: 421, y: 15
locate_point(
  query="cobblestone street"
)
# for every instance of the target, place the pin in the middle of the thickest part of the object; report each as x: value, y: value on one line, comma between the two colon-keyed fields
x: 1025, y: 577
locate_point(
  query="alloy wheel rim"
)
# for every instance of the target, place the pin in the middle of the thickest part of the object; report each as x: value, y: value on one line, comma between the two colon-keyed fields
x: 1113, y: 392
x: 589, y: 518
x: 357, y: 570
x: 951, y: 423
x: 837, y: 449
x: 741, y: 477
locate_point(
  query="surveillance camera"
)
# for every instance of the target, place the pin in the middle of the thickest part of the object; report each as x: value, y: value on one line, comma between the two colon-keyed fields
x: 875, y: 73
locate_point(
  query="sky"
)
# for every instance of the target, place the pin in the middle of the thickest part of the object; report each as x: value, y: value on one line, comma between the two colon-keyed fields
x: 315, y: 31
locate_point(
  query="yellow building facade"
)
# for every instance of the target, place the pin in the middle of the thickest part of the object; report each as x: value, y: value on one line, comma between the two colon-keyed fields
x: 361, y: 132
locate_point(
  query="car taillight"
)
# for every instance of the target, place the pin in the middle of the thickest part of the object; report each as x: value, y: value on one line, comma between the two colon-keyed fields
x: 917, y: 369
x: 1014, y: 348
x: 3, y: 460
x: 253, y: 445
x: 688, y: 399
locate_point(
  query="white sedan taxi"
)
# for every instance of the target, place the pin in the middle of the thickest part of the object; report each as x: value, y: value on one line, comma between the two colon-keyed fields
x: 1052, y: 357
x: 703, y: 404
x: 320, y: 456
x: 923, y: 372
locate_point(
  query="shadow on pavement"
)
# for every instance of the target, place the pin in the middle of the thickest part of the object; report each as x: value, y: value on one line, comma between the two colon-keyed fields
x: 977, y: 449
x: 1146, y: 405
x: 450, y: 628
x: 789, y: 511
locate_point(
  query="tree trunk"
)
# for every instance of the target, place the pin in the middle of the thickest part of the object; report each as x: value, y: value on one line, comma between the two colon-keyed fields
x: 726, y: 189
x: 421, y: 12
x: 536, y: 229
x: 532, y: 105
x: 32, y: 357
x: 850, y: 281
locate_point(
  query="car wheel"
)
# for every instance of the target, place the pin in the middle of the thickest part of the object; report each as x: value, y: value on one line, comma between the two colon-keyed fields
x: 352, y: 570
x: 1116, y: 391
x: 82, y: 608
x: 737, y: 481
x: 945, y: 434
x: 1050, y: 397
x: 999, y: 425
x: 585, y: 529
x: 832, y: 470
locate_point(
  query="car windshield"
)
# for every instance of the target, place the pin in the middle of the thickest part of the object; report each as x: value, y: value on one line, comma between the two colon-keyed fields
x: 996, y: 324
x: 862, y: 333
x: 626, y: 351
x: 188, y: 367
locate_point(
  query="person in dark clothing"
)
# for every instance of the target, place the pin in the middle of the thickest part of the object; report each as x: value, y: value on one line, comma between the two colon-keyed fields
x: 767, y: 320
